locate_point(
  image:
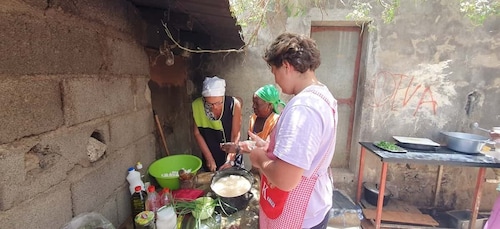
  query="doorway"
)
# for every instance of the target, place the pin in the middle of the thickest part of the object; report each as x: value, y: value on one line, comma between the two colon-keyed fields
x: 341, y: 48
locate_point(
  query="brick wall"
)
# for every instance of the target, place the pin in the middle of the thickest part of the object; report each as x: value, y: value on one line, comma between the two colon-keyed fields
x: 70, y: 71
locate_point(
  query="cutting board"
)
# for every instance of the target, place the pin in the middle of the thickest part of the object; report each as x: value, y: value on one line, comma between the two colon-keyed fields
x: 416, y: 141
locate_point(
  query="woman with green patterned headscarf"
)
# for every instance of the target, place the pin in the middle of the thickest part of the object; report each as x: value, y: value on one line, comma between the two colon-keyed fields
x: 266, y: 108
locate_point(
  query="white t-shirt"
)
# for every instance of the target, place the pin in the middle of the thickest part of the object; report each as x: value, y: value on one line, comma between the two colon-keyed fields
x: 305, y: 132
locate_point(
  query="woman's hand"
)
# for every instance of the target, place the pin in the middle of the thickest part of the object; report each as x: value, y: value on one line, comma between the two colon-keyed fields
x: 247, y: 146
x: 229, y: 147
x: 259, y: 142
x: 226, y: 165
x: 211, y: 165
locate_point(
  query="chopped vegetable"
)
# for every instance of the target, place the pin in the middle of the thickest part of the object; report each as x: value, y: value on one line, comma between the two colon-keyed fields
x: 388, y: 146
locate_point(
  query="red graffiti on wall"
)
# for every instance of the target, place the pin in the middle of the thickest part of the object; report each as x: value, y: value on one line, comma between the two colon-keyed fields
x: 388, y: 89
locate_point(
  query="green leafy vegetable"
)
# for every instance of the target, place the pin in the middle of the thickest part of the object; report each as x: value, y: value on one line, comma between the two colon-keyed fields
x: 387, y: 146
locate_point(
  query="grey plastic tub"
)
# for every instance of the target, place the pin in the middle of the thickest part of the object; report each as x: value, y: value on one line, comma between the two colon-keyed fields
x: 460, y: 219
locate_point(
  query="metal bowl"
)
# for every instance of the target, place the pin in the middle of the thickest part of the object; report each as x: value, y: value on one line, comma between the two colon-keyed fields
x: 230, y: 205
x: 465, y: 142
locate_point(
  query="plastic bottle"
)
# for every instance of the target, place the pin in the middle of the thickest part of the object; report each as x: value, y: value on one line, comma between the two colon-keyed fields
x: 165, y: 197
x: 166, y: 218
x: 138, y: 200
x: 134, y: 179
x: 144, y: 175
x: 153, y: 200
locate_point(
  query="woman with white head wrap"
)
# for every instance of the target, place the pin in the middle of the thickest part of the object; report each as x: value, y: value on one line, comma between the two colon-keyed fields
x: 217, y: 119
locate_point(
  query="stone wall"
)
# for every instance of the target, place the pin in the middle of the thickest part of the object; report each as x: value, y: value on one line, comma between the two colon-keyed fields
x: 73, y: 77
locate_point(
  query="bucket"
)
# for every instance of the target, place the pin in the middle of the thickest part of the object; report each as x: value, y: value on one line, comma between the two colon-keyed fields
x: 164, y: 169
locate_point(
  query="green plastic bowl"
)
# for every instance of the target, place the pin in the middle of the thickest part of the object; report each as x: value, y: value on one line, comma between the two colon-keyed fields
x: 160, y: 168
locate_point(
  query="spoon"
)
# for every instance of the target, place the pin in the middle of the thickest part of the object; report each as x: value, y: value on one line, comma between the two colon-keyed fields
x: 476, y: 126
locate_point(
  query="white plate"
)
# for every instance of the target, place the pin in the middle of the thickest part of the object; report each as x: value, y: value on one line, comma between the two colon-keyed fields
x: 418, y: 141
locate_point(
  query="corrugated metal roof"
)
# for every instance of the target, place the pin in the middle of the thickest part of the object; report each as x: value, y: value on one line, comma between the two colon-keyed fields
x: 198, y: 17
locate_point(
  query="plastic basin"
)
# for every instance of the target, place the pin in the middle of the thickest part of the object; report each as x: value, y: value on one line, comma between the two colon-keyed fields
x: 160, y: 168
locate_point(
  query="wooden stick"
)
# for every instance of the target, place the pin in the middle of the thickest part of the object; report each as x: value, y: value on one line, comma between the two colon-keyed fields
x: 438, y: 185
x: 160, y: 129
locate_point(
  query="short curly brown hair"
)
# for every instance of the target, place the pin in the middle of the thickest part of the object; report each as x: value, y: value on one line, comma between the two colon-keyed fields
x: 297, y: 49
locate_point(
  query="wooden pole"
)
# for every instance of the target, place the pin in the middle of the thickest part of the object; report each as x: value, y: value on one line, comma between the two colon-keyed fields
x: 438, y: 185
x: 162, y: 135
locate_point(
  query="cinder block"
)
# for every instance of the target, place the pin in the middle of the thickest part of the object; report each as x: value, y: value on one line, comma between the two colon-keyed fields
x: 131, y: 127
x: 29, y: 107
x: 142, y: 93
x: 51, y: 209
x: 109, y: 210
x: 127, y: 58
x: 64, y: 150
x: 124, y: 207
x: 51, y: 171
x: 100, y: 182
x: 19, y: 183
x: 45, y: 46
x: 12, y: 164
x: 13, y: 173
x: 147, y: 148
x: 90, y: 98
x: 123, y: 17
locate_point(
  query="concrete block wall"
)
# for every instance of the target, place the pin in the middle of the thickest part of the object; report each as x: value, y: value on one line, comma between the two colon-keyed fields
x: 69, y: 72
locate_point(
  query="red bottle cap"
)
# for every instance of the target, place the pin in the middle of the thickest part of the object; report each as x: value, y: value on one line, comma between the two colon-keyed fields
x: 138, y: 188
x: 151, y: 188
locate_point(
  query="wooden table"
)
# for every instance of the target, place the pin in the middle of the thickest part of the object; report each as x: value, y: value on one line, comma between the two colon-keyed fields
x: 442, y: 156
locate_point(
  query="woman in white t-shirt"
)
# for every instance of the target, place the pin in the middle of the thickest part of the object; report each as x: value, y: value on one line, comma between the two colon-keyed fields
x: 296, y: 190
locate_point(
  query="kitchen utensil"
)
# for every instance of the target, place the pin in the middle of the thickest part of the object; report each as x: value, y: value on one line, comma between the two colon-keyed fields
x: 230, y: 205
x: 416, y: 143
x: 465, y: 142
x: 371, y: 192
x: 476, y: 126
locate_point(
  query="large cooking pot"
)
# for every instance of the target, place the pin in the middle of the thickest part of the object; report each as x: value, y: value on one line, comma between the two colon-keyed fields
x: 465, y: 142
x: 232, y: 204
x: 371, y: 192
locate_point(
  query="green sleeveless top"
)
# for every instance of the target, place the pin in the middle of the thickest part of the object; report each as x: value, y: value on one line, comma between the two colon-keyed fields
x: 214, y: 131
